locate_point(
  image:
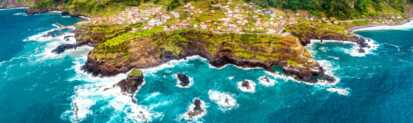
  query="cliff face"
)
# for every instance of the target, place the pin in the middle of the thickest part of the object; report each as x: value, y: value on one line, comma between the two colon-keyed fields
x: 246, y: 50
x: 146, y: 34
x: 11, y: 4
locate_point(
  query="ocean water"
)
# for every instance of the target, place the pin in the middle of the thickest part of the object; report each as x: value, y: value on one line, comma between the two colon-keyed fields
x: 37, y: 86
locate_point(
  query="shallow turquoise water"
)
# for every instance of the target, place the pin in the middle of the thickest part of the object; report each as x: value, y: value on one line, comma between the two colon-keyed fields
x: 37, y: 86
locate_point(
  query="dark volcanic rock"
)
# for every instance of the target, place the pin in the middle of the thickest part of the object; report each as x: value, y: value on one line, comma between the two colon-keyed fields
x: 183, y: 80
x: 197, y: 104
x: 104, y: 69
x: 32, y: 11
x: 246, y: 84
x: 146, y: 53
x: 309, y: 75
x: 64, y: 47
x: 197, y: 110
x: 131, y: 84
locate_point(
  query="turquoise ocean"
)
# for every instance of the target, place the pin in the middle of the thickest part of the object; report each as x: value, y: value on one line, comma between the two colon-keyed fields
x: 38, y: 86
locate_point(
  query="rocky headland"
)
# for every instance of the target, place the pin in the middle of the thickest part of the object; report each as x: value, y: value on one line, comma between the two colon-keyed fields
x: 222, y: 31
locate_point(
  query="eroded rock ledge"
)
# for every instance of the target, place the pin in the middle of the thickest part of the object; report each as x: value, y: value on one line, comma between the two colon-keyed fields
x: 143, y: 49
x: 131, y: 84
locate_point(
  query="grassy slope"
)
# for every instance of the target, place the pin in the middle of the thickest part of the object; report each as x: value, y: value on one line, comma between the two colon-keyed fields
x: 133, y: 45
x: 117, y: 46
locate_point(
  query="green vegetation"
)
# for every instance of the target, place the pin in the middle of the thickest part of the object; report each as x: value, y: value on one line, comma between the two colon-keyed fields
x: 135, y: 46
x: 343, y: 9
x: 306, y: 30
x: 88, y: 7
x: 135, y: 73
x: 98, y: 33
x: 122, y: 38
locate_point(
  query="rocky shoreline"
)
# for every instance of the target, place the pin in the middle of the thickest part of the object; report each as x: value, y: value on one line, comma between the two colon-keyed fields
x: 222, y: 57
x: 310, y: 73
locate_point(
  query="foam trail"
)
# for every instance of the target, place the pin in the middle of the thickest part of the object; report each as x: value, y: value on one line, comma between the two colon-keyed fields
x: 51, y: 42
x: 14, y: 8
x: 170, y: 64
x: 96, y: 89
x: 340, y: 91
x: 265, y: 81
x: 103, y: 89
x: 231, y: 77
x: 354, y: 51
x: 152, y: 96
x: 20, y: 14
x: 405, y: 26
x: 41, y: 37
x: 225, y: 101
x: 327, y: 68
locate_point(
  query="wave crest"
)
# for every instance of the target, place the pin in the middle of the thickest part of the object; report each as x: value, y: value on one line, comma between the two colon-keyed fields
x: 225, y: 101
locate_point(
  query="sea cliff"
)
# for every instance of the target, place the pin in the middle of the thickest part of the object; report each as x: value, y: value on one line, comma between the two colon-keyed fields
x: 132, y: 36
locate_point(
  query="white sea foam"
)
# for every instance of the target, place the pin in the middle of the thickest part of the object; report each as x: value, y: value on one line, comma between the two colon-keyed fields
x: 327, y: 66
x: 226, y: 65
x: 44, y: 37
x: 353, y: 51
x: 159, y: 104
x: 41, y: 37
x: 103, y: 89
x: 266, y: 81
x: 152, y: 96
x: 55, y: 12
x: 340, y: 91
x: 367, y: 50
x: 53, y: 42
x: 315, y: 41
x: 329, y: 70
x: 225, y: 101
x: 169, y: 64
x: 95, y: 89
x: 281, y: 76
x: 13, y: 8
x: 251, y: 84
x: 231, y: 77
x: 187, y: 117
x: 405, y: 26
x: 20, y: 14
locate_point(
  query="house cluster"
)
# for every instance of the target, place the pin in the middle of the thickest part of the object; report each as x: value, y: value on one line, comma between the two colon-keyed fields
x: 225, y: 17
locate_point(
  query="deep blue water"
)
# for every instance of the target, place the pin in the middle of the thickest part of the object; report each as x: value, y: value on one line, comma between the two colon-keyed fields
x: 37, y: 86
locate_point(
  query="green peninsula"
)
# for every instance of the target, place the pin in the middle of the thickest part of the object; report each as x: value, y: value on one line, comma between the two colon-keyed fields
x: 136, y: 34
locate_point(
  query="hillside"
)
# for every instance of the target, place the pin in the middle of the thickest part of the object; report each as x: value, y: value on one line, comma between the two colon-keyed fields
x: 130, y: 34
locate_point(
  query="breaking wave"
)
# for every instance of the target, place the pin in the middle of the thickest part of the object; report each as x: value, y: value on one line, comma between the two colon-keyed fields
x: 405, y: 26
x: 225, y: 101
x: 247, y: 86
x: 340, y: 91
x: 194, y: 118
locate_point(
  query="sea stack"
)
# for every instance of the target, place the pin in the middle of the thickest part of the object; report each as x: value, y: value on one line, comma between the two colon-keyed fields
x: 131, y: 84
x: 266, y: 81
x: 183, y: 81
x: 247, y: 86
x: 196, y: 110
